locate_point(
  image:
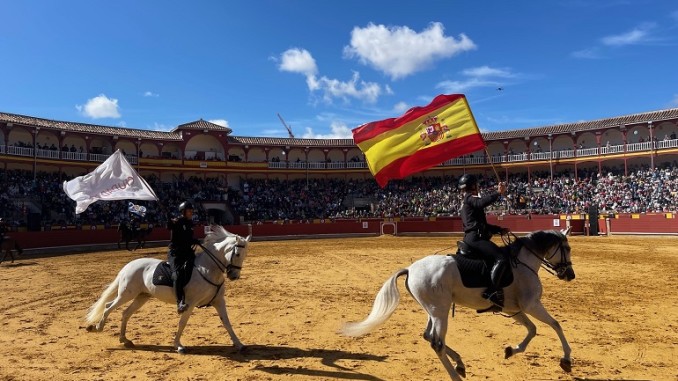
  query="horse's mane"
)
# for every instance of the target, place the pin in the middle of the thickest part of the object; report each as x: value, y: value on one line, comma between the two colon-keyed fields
x: 216, y: 235
x: 542, y: 240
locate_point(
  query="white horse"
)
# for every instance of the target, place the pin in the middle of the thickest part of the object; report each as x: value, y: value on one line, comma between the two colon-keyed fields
x: 435, y: 282
x: 224, y: 252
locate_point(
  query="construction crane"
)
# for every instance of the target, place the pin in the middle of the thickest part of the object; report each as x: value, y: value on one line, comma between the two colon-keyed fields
x: 288, y: 128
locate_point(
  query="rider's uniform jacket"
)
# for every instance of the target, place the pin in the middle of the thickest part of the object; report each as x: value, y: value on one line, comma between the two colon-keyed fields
x: 473, y: 215
x: 181, y: 236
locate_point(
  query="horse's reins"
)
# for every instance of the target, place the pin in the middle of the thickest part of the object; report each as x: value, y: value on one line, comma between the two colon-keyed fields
x: 221, y: 267
x: 544, y: 262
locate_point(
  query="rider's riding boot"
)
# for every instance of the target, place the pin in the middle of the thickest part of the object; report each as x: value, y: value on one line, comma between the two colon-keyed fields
x: 495, y: 294
x: 179, y: 291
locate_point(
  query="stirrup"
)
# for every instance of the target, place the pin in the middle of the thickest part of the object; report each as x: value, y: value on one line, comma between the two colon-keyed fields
x: 496, y: 297
x: 181, y: 307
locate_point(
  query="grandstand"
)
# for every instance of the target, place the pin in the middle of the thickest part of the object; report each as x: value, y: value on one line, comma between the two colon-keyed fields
x: 623, y: 165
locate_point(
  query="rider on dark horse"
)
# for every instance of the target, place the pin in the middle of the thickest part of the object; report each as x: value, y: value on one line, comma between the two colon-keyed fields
x: 477, y: 233
x: 181, y: 254
x: 134, y: 224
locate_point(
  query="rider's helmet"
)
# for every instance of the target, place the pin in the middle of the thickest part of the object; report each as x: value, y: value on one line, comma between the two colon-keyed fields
x: 185, y: 205
x: 467, y: 181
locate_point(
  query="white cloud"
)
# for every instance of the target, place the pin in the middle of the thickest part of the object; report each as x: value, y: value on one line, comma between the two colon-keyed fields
x: 486, y: 71
x: 482, y: 76
x: 354, y: 88
x: 338, y: 130
x: 399, y: 51
x: 221, y: 122
x: 151, y: 94
x: 100, y: 107
x: 589, y: 53
x: 301, y: 61
x: 274, y: 132
x: 298, y: 61
x: 160, y: 127
x: 122, y: 123
x: 401, y: 107
x: 637, y: 35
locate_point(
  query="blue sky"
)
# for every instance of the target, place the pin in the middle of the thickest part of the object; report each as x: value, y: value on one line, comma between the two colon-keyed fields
x: 328, y: 67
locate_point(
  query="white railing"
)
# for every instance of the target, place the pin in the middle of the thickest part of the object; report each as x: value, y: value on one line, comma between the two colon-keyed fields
x: 635, y: 147
x: 2, y: 149
x: 535, y: 156
x: 667, y: 144
x: 518, y: 157
x: 540, y: 156
x: 611, y: 149
x: 356, y: 164
x: 98, y: 157
x: 46, y: 153
x: 277, y: 164
x: 564, y: 154
x: 79, y: 156
x: 587, y: 152
x: 19, y: 151
x: 336, y: 165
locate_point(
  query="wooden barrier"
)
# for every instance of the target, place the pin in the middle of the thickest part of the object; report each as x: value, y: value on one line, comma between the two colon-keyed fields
x: 659, y: 223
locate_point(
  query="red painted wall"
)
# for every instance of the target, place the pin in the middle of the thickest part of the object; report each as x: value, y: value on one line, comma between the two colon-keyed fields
x: 650, y: 223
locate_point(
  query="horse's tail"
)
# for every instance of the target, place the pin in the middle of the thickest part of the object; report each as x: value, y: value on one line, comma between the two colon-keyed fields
x: 384, y: 304
x: 96, y: 311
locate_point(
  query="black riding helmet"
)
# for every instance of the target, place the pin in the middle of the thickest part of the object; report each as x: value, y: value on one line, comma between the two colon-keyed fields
x: 467, y: 181
x: 185, y: 205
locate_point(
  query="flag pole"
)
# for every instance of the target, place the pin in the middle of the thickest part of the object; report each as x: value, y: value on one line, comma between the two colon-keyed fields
x: 492, y: 164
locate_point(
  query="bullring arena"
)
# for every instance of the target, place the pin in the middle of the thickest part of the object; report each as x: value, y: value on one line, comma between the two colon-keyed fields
x: 619, y: 315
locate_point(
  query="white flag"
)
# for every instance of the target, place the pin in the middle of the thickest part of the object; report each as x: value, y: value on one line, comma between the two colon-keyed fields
x: 114, y: 179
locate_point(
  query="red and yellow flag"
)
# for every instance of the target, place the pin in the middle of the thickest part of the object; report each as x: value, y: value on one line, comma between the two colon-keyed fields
x: 419, y: 139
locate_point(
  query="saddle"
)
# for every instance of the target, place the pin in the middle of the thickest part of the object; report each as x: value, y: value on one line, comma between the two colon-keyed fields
x: 162, y: 276
x: 475, y: 269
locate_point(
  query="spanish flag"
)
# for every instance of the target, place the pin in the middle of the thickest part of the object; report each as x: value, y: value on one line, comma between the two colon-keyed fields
x: 419, y: 139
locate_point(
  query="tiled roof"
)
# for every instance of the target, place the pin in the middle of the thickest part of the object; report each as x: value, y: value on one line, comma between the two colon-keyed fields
x: 87, y: 128
x: 652, y: 116
x: 627, y: 120
x: 291, y: 142
x: 202, y: 125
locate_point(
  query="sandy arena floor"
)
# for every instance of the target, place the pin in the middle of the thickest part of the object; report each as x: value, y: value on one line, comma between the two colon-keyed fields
x: 620, y: 316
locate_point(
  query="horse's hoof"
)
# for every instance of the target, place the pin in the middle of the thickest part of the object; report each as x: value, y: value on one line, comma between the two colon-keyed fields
x: 508, y: 352
x: 461, y: 370
x: 566, y: 365
x: 181, y: 350
x: 91, y: 328
x: 241, y: 348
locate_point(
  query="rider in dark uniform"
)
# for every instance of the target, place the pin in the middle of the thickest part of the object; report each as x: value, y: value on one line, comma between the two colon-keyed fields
x: 181, y: 254
x: 477, y: 233
x: 3, y: 230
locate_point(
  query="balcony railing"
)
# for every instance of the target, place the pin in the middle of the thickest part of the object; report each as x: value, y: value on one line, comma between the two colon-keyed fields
x: 459, y: 161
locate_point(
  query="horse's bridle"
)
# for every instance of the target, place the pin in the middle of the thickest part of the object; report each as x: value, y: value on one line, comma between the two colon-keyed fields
x: 557, y: 269
x: 228, y: 268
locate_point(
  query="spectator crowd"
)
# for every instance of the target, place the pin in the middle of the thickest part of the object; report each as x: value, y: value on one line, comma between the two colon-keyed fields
x: 643, y: 190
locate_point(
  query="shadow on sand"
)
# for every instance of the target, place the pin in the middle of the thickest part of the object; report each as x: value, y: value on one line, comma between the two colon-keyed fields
x: 264, y: 352
x: 18, y: 264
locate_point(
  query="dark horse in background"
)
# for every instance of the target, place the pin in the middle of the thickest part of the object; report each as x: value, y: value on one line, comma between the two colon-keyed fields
x: 128, y: 234
x: 9, y: 244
